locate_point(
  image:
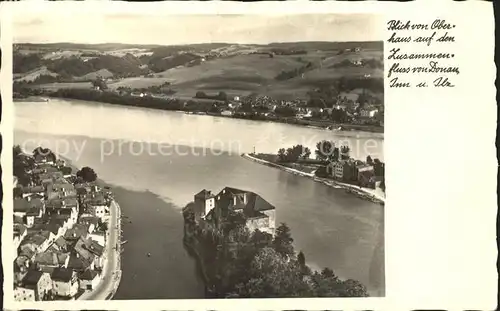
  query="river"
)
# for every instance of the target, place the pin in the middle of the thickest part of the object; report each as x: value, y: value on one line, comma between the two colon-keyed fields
x: 157, y: 160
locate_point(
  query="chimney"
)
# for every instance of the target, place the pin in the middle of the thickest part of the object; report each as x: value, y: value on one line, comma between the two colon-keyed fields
x: 245, y: 201
x: 234, y: 200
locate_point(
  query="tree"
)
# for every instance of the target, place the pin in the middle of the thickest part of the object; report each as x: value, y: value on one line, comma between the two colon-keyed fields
x: 344, y: 152
x: 87, y: 174
x: 306, y: 153
x: 352, y: 288
x: 99, y: 83
x: 282, y: 155
x: 222, y: 96
x: 325, y: 151
x: 201, y: 94
x: 369, y: 160
x: 17, y: 151
x: 261, y: 239
x: 66, y: 170
x: 283, y: 241
x: 295, y: 153
x: 301, y: 259
x: 233, y: 221
x: 273, y: 276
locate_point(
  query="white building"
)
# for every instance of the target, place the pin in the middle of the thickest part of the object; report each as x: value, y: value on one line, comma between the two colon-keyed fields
x: 64, y: 282
x: 89, y: 279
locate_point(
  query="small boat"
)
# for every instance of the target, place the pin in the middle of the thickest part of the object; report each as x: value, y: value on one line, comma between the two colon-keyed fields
x: 123, y: 242
x: 149, y: 254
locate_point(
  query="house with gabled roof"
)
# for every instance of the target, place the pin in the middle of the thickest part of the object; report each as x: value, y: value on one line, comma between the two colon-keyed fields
x: 60, y: 189
x: 89, y: 279
x: 65, y: 206
x: 90, y: 221
x: 258, y: 213
x: 76, y: 232
x: 38, y: 241
x: 35, y: 285
x: 64, y: 282
x: 51, y: 259
x: 31, y: 190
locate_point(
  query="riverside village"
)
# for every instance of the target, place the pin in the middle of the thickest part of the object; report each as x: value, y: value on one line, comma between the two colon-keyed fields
x: 61, y: 231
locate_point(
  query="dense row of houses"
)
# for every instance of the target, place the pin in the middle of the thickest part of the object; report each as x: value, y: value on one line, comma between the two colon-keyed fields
x: 356, y: 171
x: 59, y: 234
x: 212, y: 209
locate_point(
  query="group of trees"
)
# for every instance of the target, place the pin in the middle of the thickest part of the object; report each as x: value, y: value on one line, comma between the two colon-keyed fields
x: 327, y: 151
x: 68, y: 67
x: 162, y: 59
x: 285, y: 111
x: 100, y: 83
x: 87, y: 174
x: 163, y: 88
x: 285, y: 51
x: 290, y: 74
x: 293, y: 154
x: 115, y: 98
x: 21, y: 164
x: 220, y: 96
x: 246, y: 264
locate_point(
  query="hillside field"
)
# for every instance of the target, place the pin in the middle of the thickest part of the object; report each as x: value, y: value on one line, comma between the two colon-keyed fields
x: 232, y: 68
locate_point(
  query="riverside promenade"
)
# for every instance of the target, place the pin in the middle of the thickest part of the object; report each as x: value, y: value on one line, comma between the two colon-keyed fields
x: 111, y: 274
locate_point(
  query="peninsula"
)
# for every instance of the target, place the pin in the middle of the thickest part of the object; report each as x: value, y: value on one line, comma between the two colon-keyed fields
x: 242, y: 254
x: 332, y: 166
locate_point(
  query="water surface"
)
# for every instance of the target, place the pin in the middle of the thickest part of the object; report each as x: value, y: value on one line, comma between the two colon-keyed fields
x: 332, y: 228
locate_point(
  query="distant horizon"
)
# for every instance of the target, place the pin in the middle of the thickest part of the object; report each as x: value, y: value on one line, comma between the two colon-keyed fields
x: 182, y: 44
x: 168, y: 30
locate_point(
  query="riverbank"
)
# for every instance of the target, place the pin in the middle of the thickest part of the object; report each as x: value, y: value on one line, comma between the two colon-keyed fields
x: 31, y: 99
x: 196, y: 105
x: 364, y: 193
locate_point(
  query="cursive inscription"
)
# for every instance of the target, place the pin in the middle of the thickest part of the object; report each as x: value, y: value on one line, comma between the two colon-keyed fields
x: 421, y: 54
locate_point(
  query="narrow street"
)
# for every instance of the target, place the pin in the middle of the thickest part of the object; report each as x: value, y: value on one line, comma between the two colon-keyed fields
x: 110, y: 273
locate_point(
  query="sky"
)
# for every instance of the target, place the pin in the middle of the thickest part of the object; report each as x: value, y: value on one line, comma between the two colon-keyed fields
x: 44, y: 27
